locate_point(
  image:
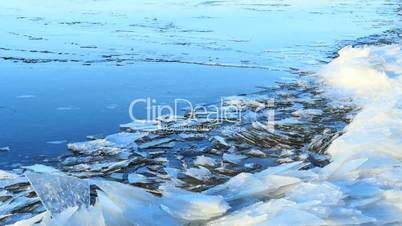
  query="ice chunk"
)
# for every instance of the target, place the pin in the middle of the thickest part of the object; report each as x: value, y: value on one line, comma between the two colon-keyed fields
x: 127, y: 205
x: 221, y: 140
x: 136, y: 178
x: 31, y: 221
x: 204, y: 161
x: 255, y: 214
x: 6, y: 175
x: 111, y: 145
x: 192, y: 206
x: 258, y: 185
x: 233, y: 158
x: 155, y: 143
x: 256, y: 153
x: 125, y: 139
x: 56, y: 142
x: 295, y: 217
x: 200, y: 173
x: 59, y: 192
x: 117, y: 176
x: 325, y: 193
x: 147, y: 126
x: 39, y: 168
x: 73, y: 216
x: 7, y: 148
x: 94, y: 147
x: 307, y: 112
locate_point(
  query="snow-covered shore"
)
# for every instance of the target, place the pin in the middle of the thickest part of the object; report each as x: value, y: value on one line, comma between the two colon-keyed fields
x: 362, y: 184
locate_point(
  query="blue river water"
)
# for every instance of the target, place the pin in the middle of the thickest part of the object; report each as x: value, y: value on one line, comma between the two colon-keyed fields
x: 70, y: 69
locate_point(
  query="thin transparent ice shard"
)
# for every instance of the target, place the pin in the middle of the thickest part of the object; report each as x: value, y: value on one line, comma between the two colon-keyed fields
x: 59, y: 192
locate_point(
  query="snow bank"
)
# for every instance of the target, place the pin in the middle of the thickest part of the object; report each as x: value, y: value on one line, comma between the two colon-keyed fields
x: 363, y: 182
x: 361, y: 185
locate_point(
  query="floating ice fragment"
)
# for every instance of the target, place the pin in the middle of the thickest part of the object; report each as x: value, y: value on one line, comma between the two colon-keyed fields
x: 56, y: 142
x: 147, y: 126
x: 26, y: 96
x: 7, y: 148
x: 65, y: 108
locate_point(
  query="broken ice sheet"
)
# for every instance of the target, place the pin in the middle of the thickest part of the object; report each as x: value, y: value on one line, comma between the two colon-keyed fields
x: 201, y: 173
x: 155, y: 143
x: 205, y: 161
x: 137, y: 178
x: 140, y: 126
x: 125, y: 139
x: 59, y: 192
x: 111, y: 145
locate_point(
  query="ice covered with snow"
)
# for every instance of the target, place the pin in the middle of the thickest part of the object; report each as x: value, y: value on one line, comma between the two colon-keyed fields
x: 205, y: 161
x: 362, y: 183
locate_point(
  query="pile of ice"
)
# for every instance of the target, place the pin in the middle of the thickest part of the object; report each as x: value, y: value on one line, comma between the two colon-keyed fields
x: 363, y: 182
x: 361, y: 185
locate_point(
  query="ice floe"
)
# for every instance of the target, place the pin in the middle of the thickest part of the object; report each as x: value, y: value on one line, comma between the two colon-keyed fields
x: 7, y: 148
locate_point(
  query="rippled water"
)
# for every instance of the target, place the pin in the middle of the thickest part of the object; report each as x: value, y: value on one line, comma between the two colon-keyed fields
x: 70, y: 69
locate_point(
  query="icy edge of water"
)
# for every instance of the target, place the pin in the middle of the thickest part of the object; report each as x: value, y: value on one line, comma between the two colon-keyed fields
x: 361, y: 185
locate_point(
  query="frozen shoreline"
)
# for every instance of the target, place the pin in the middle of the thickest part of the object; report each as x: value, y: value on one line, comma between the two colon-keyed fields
x: 312, y: 171
x: 361, y: 185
